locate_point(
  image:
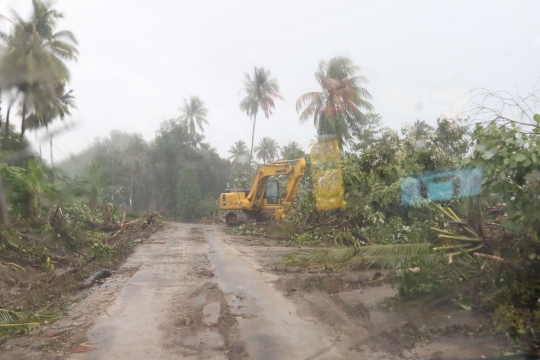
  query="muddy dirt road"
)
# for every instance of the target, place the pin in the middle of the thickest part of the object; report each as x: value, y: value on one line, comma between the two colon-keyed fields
x: 196, y: 292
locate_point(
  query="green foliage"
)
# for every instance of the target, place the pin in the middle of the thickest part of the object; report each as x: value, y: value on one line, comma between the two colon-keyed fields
x: 373, y: 211
x: 49, y: 266
x: 239, y: 152
x: 519, y: 312
x: 189, y: 193
x: 430, y: 278
x: 267, y: 150
x: 368, y: 133
x: 207, y: 208
x: 17, y: 322
x: 241, y: 177
x: 384, y: 256
x: 510, y: 158
x: 144, y: 176
x: 99, y: 249
x: 10, y: 238
x: 30, y: 185
x: 80, y: 216
x: 292, y: 151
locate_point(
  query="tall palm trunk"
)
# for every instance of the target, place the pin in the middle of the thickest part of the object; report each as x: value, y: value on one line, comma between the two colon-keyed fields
x: 131, y: 185
x: 50, y: 142
x: 31, y: 206
x: 6, y: 141
x: 252, y: 138
x: 23, y: 121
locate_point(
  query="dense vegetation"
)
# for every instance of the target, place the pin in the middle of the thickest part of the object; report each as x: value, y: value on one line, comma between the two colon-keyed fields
x: 480, y: 252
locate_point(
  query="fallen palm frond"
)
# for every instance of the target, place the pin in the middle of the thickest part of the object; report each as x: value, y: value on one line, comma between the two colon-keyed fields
x: 467, y: 244
x: 15, y: 322
x: 394, y: 256
x: 489, y: 257
x: 16, y: 266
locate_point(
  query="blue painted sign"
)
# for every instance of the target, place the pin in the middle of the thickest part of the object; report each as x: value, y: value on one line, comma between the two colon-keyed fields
x: 439, y: 186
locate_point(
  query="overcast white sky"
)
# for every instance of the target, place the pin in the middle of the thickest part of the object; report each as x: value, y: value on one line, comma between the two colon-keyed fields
x: 139, y: 59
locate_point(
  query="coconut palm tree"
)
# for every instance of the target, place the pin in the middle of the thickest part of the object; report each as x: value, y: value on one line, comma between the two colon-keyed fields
x: 267, y: 150
x: 194, y: 115
x: 260, y: 91
x: 134, y: 155
x: 35, y: 55
x: 421, y: 129
x: 337, y: 110
x: 239, y: 152
x: 292, y: 151
x: 48, y: 106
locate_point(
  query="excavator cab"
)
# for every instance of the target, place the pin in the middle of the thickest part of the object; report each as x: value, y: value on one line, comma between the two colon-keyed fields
x: 272, y: 192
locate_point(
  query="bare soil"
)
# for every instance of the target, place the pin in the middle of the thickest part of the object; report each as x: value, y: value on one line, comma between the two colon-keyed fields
x: 196, y: 292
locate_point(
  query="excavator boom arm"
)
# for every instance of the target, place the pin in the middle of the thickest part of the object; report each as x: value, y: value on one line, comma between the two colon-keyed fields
x: 293, y: 168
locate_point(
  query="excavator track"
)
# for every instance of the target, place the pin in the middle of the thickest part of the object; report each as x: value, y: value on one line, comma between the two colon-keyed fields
x: 235, y: 218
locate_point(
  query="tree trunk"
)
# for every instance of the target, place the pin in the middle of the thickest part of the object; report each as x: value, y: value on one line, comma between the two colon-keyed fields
x: 50, y: 141
x: 35, y: 138
x: 31, y: 206
x: 6, y: 142
x: 131, y: 186
x: 3, y: 204
x: 23, y: 121
x: 252, y: 138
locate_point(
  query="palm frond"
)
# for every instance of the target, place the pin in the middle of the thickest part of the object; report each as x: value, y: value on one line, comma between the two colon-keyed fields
x: 395, y: 256
x: 14, y: 322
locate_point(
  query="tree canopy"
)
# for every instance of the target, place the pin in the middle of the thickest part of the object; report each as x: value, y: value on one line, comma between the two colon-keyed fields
x: 339, y: 109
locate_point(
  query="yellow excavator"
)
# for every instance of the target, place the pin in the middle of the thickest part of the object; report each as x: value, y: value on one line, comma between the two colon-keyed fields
x: 249, y: 204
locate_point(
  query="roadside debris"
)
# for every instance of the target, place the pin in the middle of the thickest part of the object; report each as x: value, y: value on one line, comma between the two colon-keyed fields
x: 101, y: 274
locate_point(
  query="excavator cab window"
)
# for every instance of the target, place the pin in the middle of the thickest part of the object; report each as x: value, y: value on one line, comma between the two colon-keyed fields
x: 272, y: 192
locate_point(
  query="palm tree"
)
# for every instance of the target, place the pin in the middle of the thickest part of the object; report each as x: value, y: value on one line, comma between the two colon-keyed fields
x: 239, y: 152
x: 194, y: 115
x: 134, y: 155
x: 292, y: 151
x: 267, y: 150
x: 35, y: 55
x: 96, y: 185
x: 337, y: 109
x: 49, y: 105
x: 261, y: 90
x: 367, y: 135
x: 35, y: 180
x: 421, y: 129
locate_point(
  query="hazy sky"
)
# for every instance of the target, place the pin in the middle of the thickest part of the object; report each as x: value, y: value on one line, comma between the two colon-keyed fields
x: 140, y: 59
